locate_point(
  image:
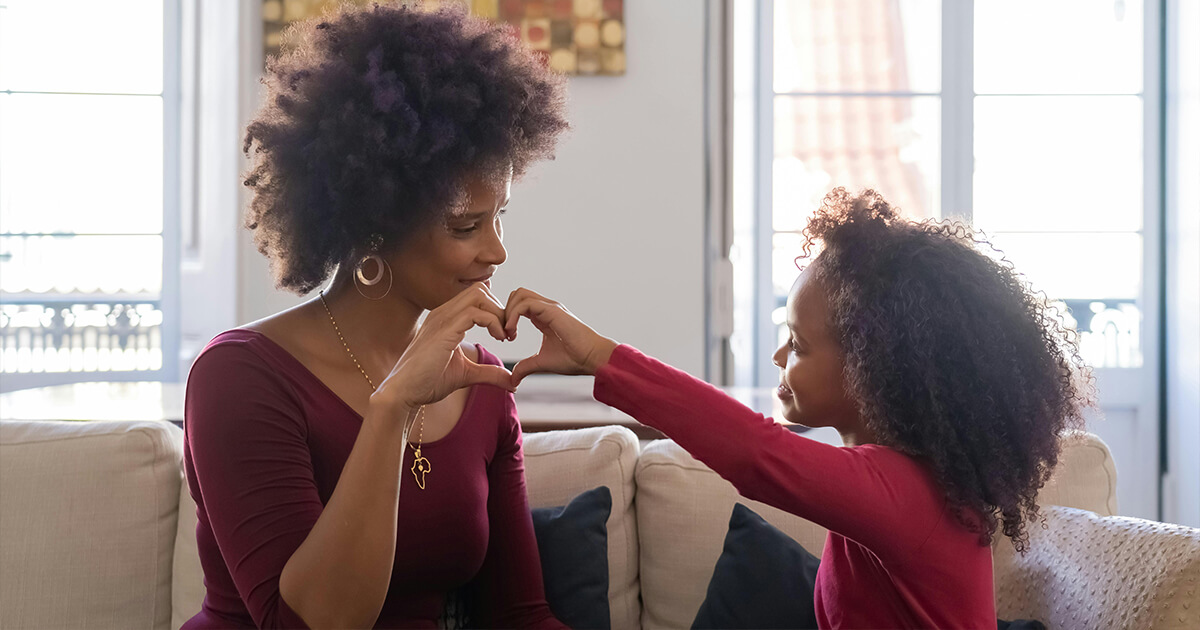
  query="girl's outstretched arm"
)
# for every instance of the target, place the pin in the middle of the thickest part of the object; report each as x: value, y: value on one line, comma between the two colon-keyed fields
x: 871, y: 494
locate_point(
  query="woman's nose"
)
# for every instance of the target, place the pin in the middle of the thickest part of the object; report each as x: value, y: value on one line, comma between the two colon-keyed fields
x: 494, y: 252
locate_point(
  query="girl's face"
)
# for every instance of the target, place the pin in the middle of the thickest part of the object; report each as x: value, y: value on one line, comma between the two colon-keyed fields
x: 443, y: 259
x: 812, y: 385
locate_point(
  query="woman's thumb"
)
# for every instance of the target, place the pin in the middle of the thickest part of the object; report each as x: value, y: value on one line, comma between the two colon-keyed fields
x: 490, y: 375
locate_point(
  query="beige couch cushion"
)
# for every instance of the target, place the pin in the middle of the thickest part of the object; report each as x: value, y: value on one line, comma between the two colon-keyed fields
x: 87, y: 523
x: 684, y: 508
x: 683, y: 514
x: 561, y: 464
x: 1089, y: 571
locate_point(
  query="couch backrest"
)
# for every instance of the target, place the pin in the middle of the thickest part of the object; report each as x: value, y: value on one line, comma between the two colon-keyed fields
x: 87, y: 523
x: 561, y: 464
x: 187, y: 585
x: 683, y: 511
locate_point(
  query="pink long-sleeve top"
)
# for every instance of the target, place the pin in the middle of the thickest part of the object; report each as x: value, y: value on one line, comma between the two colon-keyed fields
x: 895, y: 556
x: 265, y: 444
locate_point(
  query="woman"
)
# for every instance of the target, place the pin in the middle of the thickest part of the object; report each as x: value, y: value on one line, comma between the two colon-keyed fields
x: 350, y: 467
x: 949, y: 381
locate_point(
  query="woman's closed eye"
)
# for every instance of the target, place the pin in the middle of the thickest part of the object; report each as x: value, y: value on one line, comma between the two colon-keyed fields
x: 471, y: 228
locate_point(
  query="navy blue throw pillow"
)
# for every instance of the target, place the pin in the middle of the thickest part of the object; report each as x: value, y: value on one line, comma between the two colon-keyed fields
x: 763, y: 579
x: 573, y: 543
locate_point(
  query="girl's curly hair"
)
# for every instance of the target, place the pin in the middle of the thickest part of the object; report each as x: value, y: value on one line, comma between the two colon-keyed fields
x: 950, y: 355
x: 374, y: 121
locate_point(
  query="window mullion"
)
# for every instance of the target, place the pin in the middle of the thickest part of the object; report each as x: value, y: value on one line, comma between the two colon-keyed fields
x: 958, y: 108
x: 764, y: 330
x: 172, y: 124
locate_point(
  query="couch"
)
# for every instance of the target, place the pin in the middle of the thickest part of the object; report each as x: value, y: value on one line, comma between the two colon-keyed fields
x: 97, y: 531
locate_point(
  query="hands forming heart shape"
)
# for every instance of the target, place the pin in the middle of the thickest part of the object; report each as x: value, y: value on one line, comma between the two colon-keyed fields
x: 434, y: 365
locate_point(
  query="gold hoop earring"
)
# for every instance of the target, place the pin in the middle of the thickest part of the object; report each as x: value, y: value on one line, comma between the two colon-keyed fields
x: 361, y: 277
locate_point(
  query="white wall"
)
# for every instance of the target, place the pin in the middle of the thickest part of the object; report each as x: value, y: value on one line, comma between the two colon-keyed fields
x: 614, y: 227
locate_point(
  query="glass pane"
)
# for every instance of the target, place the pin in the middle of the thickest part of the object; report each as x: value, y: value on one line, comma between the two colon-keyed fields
x: 1077, y: 266
x: 81, y: 264
x: 889, y: 144
x: 858, y: 45
x: 1058, y: 163
x: 85, y: 337
x: 1058, y: 46
x: 85, y: 164
x: 81, y: 46
x: 1110, y: 331
x: 786, y: 248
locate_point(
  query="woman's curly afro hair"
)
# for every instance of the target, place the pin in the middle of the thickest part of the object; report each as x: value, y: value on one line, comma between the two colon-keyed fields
x: 375, y: 120
x: 950, y: 355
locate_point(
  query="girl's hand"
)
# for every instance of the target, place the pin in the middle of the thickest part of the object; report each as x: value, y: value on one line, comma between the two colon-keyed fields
x: 434, y: 365
x: 569, y: 346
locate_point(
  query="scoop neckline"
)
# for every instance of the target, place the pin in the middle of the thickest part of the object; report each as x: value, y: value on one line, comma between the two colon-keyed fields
x: 471, y: 394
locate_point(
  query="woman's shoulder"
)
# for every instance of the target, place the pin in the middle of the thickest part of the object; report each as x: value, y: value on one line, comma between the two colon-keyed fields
x: 477, y: 353
x: 242, y: 358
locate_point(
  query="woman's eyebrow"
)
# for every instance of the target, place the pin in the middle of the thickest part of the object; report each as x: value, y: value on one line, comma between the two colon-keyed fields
x: 471, y: 216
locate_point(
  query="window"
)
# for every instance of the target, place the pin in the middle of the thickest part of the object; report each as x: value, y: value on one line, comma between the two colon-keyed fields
x: 1037, y: 121
x: 88, y: 128
x: 1024, y: 118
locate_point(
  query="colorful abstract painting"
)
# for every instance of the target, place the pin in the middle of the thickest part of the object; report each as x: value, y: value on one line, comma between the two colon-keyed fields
x: 577, y: 37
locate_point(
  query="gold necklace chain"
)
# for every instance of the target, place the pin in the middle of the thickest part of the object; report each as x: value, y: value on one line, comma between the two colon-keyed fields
x: 420, y: 465
x: 343, y: 340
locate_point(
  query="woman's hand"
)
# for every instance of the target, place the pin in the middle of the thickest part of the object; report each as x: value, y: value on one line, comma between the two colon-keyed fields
x: 434, y: 365
x: 569, y: 346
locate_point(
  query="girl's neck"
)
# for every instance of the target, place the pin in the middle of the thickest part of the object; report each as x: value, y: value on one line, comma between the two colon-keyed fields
x: 857, y: 434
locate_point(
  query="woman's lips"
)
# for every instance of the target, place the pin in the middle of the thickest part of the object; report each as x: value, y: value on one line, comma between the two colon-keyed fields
x: 486, y: 280
x: 784, y: 392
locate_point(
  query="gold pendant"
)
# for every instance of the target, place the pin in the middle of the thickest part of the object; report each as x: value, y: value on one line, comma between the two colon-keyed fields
x: 420, y: 468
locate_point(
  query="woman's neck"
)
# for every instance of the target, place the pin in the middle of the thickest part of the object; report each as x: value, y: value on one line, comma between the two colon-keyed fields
x: 377, y: 331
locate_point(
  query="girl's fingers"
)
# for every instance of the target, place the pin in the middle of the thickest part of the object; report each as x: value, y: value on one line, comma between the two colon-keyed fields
x: 537, y: 311
x: 525, y: 367
x: 515, y: 299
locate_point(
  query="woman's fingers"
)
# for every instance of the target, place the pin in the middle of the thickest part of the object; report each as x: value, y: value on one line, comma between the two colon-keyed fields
x: 479, y: 296
x: 488, y: 375
x: 472, y: 316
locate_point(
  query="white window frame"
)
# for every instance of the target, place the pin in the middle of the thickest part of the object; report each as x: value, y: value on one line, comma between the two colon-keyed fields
x: 168, y: 297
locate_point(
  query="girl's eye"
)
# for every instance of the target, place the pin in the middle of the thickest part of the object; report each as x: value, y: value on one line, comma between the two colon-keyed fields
x: 793, y: 345
x: 462, y: 231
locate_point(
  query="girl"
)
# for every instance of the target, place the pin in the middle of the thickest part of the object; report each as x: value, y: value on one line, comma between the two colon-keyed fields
x: 949, y: 381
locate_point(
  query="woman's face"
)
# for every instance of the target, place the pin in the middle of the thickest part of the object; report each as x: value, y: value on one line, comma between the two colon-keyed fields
x: 443, y: 259
x: 812, y: 385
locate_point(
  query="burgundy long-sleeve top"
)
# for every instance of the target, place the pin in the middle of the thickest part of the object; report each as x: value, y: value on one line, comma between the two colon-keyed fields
x: 895, y: 556
x: 265, y: 444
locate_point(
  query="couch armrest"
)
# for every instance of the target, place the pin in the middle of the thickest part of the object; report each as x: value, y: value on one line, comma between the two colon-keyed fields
x: 1088, y: 571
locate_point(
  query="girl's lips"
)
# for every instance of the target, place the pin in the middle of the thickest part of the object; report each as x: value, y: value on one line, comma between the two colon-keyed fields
x: 783, y: 392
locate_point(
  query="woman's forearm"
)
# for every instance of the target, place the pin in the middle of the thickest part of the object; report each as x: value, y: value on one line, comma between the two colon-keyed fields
x: 339, y: 576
